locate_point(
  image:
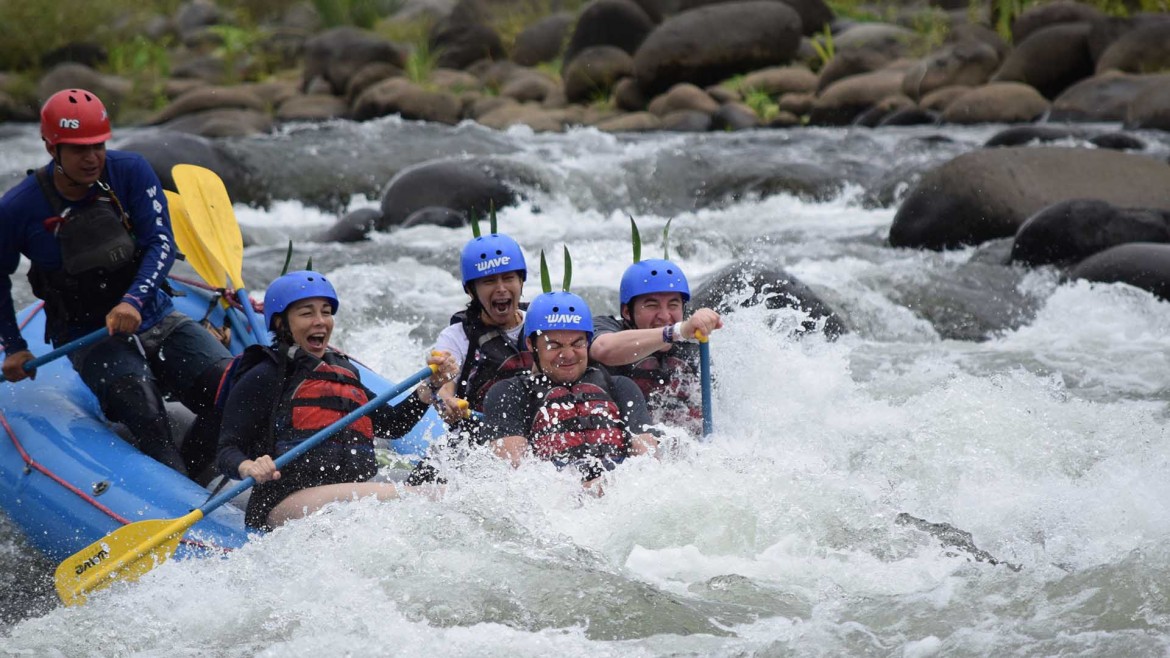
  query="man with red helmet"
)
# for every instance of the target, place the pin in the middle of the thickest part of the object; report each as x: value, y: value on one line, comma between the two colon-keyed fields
x: 95, y: 227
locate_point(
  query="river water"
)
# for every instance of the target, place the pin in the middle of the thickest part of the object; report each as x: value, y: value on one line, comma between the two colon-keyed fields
x: 1024, y: 410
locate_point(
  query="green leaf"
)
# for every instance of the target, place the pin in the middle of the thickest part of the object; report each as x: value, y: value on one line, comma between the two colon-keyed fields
x: 545, y: 281
x: 637, y: 240
x: 492, y: 210
x: 568, y: 270
x: 474, y: 223
x: 287, y: 259
x: 665, y: 239
x: 309, y: 265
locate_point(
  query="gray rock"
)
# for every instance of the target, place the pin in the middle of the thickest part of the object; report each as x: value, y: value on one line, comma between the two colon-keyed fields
x: 337, y: 54
x: 1072, y: 230
x: 1050, y: 60
x: 1139, y: 264
x: 467, y: 186
x: 618, y: 23
x: 543, y: 40
x: 988, y: 194
x: 756, y: 283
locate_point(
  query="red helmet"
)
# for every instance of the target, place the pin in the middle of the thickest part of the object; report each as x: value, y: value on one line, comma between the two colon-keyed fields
x: 74, y: 116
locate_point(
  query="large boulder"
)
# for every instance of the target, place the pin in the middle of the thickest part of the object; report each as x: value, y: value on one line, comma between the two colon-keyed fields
x: 1104, y: 97
x: 708, y: 44
x: 110, y: 88
x: 618, y: 23
x: 1039, y: 17
x: 775, y: 81
x: 461, y: 44
x: 1140, y: 264
x: 222, y: 122
x: 353, y: 227
x: 1151, y: 108
x: 814, y: 14
x: 337, y: 54
x: 750, y: 283
x: 164, y: 149
x: 594, y: 71
x: 998, y: 102
x: 543, y: 40
x: 1050, y: 60
x: 844, y: 100
x: 969, y: 63
x: 403, y: 97
x: 466, y: 186
x: 1070, y: 231
x: 1145, y: 49
x: 988, y: 194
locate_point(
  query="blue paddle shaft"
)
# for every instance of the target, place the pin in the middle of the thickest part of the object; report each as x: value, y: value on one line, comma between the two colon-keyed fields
x: 67, y: 348
x: 258, y: 328
x: 312, y: 441
x: 705, y: 375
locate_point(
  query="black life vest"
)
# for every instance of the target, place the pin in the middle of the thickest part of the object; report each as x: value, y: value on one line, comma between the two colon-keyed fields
x: 670, y: 382
x: 99, y: 258
x: 487, y: 350
x: 577, y: 421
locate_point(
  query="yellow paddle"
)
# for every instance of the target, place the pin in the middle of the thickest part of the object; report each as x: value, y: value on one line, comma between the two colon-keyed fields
x: 132, y: 550
x: 215, y: 228
x: 200, y: 260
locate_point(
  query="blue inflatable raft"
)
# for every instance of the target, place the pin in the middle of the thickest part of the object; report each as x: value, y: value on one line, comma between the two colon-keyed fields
x: 68, y: 479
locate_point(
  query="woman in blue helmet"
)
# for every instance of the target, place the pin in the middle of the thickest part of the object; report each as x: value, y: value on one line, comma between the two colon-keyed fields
x: 564, y: 410
x: 653, y: 345
x: 281, y: 395
x: 481, y: 338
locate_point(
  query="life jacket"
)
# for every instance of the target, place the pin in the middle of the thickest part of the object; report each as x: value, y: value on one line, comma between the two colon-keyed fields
x: 99, y: 258
x: 670, y: 384
x: 577, y: 421
x: 488, y: 349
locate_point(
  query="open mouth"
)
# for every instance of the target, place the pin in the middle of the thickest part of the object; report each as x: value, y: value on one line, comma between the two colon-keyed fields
x: 501, y: 306
x: 316, y: 341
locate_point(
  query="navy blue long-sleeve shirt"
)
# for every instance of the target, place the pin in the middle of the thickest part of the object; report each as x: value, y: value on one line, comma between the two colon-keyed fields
x: 24, y: 209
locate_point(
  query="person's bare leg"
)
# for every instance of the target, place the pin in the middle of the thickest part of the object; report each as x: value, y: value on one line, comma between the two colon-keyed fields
x: 307, y: 501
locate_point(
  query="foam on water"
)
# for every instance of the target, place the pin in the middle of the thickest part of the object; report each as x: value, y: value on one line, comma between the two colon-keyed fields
x: 779, y: 536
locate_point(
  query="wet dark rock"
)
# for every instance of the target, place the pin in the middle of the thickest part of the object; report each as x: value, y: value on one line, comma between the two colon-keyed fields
x: 461, y: 45
x: 164, y: 149
x: 988, y: 194
x: 1072, y: 230
x: 466, y: 186
x: 543, y: 40
x: 353, y: 227
x: 1050, y: 60
x: 707, y: 45
x: 749, y: 283
x: 911, y: 116
x: 998, y: 102
x: 1039, y: 17
x: 1118, y: 142
x: 78, y: 52
x: 436, y: 216
x: 337, y: 54
x: 814, y: 14
x: 686, y: 121
x: 1101, y: 98
x: 734, y: 116
x: 618, y: 23
x: 1142, y: 265
x: 594, y: 71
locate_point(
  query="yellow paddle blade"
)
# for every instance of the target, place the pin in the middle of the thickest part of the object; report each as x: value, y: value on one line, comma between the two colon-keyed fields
x: 190, y: 245
x: 212, y: 217
x: 123, y: 555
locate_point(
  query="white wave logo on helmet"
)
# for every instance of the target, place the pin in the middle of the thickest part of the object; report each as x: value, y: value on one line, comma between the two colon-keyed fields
x: 562, y: 318
x: 495, y: 262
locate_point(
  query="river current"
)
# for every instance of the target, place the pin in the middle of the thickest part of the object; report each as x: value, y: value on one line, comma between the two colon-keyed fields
x: 1040, y: 431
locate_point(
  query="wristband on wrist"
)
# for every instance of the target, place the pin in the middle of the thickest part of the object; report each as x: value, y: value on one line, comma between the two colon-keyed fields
x: 677, y: 332
x: 668, y: 333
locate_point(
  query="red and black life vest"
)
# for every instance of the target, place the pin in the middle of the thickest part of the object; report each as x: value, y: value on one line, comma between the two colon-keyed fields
x: 487, y: 350
x: 581, y: 420
x: 670, y: 382
x: 99, y: 258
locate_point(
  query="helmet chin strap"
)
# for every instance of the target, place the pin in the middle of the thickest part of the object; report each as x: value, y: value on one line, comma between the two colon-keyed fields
x: 61, y: 170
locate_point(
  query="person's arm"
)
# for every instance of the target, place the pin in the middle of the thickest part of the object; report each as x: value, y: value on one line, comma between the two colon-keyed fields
x: 620, y: 348
x: 505, y: 417
x: 396, y: 421
x: 246, y: 417
x: 635, y: 415
x: 146, y: 204
x: 15, y: 346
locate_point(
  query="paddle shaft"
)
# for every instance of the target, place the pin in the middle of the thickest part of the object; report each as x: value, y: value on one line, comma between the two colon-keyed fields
x: 258, y: 329
x: 67, y: 348
x: 705, y: 377
x: 312, y: 441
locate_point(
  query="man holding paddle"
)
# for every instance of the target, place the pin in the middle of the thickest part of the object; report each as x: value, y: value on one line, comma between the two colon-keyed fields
x: 95, y: 226
x: 652, y: 344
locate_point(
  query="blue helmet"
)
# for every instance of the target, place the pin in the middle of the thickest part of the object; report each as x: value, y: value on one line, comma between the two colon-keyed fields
x: 554, y: 311
x: 489, y: 255
x: 293, y: 287
x: 651, y: 276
